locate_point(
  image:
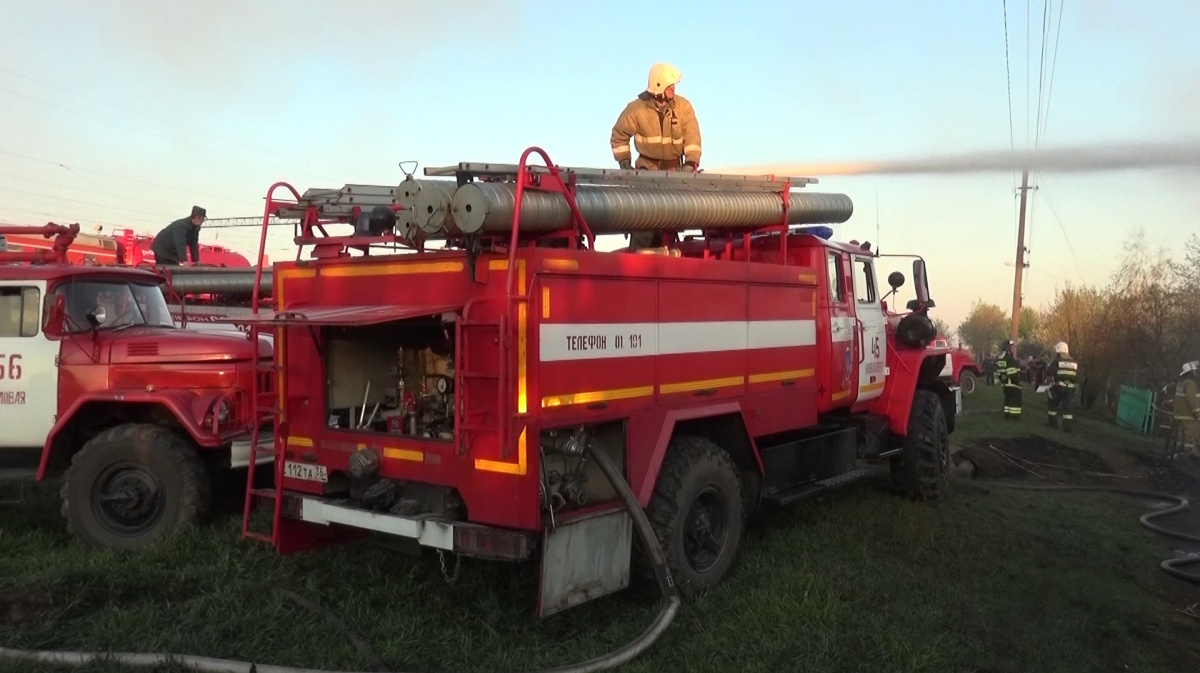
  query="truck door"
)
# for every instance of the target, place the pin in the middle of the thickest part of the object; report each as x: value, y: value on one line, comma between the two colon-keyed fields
x: 872, y: 330
x: 842, y: 329
x: 28, y: 373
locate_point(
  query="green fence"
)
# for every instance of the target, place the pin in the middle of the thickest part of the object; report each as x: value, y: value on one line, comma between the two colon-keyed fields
x: 1135, y: 409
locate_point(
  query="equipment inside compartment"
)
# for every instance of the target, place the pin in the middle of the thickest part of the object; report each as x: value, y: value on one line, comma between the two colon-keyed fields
x: 395, y: 378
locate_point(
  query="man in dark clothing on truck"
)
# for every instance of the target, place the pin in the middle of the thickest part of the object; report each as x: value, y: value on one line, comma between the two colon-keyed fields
x: 172, y: 244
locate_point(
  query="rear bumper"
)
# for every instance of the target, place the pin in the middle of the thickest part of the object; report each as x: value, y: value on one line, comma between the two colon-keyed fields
x: 426, y: 530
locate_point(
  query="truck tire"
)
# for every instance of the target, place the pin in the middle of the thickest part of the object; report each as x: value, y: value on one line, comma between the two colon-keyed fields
x: 133, y: 484
x: 697, y: 513
x: 967, y: 381
x: 921, y: 471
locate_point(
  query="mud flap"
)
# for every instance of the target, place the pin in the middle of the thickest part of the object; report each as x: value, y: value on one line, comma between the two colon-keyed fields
x: 584, y: 558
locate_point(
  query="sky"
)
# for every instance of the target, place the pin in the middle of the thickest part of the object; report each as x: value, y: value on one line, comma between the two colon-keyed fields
x: 126, y: 113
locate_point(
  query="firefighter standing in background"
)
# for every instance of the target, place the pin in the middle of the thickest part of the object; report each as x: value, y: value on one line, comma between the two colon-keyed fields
x: 1187, y: 409
x: 664, y: 130
x: 1062, y: 374
x: 1008, y: 371
x: 172, y: 244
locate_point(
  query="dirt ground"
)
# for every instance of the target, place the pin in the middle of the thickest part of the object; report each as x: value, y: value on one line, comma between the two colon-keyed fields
x: 22, y: 606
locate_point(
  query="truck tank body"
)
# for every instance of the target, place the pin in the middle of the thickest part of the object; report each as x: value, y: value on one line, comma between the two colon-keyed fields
x: 577, y: 350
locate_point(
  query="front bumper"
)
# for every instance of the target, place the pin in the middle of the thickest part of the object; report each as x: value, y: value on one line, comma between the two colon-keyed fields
x: 239, y: 450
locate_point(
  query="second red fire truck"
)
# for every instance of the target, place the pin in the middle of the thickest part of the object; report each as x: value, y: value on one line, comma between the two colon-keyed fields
x: 469, y: 398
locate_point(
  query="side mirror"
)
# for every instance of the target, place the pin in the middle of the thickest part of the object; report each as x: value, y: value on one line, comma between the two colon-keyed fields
x: 896, y: 280
x: 922, y: 283
x: 97, y: 316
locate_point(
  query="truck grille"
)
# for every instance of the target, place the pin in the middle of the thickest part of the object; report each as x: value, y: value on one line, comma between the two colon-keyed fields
x: 142, y: 349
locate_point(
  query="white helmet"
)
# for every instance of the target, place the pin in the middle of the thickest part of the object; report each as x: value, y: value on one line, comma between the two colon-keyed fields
x: 1060, y: 348
x: 662, y: 75
x: 1190, y: 367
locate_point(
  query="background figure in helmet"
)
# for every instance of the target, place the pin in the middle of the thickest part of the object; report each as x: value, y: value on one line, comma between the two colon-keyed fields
x: 1008, y: 370
x: 1187, y: 410
x: 1063, y: 373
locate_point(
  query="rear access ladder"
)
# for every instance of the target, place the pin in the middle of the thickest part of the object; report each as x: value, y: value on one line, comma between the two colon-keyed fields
x: 267, y: 407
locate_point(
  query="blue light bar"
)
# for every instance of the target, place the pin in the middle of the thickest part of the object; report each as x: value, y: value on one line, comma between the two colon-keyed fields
x: 820, y: 231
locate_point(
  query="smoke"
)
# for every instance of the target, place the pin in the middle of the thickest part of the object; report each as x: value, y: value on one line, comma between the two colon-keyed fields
x: 1080, y: 159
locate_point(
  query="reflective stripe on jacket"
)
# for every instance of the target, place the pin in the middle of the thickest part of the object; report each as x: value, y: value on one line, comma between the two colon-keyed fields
x: 1187, y: 400
x: 1008, y: 371
x: 666, y: 134
x: 1065, y: 370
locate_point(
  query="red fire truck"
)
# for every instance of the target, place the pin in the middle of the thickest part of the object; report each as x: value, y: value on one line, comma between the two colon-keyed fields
x: 468, y: 398
x: 122, y: 247
x: 98, y: 383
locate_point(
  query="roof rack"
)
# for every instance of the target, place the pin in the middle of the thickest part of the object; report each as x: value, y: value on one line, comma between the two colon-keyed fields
x: 632, y: 178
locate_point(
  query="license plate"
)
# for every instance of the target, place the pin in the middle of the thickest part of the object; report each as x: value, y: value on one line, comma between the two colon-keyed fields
x: 305, y: 471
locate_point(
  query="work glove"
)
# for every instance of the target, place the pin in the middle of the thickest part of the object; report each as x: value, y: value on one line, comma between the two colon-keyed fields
x: 626, y: 165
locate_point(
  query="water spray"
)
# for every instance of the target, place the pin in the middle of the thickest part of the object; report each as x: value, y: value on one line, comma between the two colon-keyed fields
x: 1077, y: 159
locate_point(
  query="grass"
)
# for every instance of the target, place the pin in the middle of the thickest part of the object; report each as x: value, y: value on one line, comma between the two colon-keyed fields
x: 990, y: 580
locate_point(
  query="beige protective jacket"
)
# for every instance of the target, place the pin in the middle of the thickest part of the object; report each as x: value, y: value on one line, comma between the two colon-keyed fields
x: 662, y: 136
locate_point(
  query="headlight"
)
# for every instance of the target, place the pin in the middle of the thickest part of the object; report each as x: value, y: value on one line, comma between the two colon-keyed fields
x: 223, y: 412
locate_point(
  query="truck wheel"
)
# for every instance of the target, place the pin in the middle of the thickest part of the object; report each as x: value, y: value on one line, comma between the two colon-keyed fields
x: 967, y: 382
x: 697, y: 513
x: 132, y: 485
x: 921, y: 470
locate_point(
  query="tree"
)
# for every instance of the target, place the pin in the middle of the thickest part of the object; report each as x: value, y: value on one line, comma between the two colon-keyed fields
x: 942, y: 327
x: 1028, y: 323
x: 1138, y: 328
x: 984, y: 328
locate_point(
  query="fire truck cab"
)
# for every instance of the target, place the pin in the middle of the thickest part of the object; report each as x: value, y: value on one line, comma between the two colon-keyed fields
x: 467, y: 399
x: 97, y: 383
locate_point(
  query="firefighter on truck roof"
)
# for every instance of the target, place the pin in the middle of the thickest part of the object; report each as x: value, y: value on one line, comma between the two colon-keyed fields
x: 1008, y: 370
x: 664, y: 130
x: 1063, y: 372
x: 1187, y: 411
x: 172, y: 244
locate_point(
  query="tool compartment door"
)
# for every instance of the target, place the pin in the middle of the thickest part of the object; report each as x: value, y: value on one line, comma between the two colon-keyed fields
x: 871, y: 357
x: 842, y: 329
x: 28, y: 369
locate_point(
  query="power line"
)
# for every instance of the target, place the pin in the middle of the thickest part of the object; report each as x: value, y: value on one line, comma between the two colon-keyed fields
x: 151, y: 134
x: 157, y: 119
x: 1012, y: 143
x: 1027, y: 33
x: 1053, y: 66
x: 70, y: 200
x: 101, y: 190
x: 1042, y: 71
x: 123, y: 177
x: 1067, y: 238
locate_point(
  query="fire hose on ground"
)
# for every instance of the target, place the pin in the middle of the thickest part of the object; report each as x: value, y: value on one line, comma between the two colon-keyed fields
x: 214, y: 665
x: 1170, y: 566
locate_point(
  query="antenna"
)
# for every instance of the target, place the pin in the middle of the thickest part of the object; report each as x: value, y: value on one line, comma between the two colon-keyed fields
x: 877, y: 246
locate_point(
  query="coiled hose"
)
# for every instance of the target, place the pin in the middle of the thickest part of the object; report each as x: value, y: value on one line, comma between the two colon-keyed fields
x: 603, y: 662
x: 1170, y: 566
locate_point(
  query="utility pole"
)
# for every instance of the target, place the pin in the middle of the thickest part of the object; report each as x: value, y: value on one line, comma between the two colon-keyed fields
x: 1015, y: 332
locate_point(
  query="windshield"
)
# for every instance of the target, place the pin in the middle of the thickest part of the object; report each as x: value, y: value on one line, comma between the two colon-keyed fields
x: 125, y: 304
